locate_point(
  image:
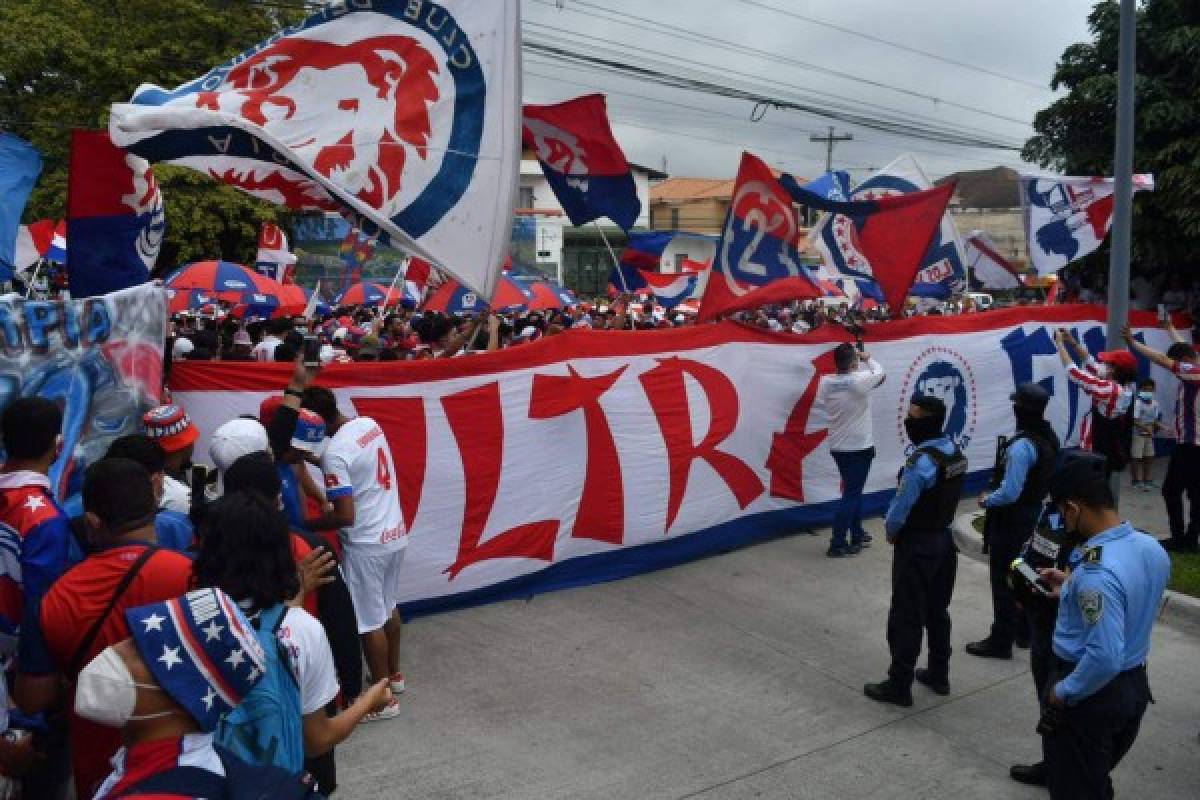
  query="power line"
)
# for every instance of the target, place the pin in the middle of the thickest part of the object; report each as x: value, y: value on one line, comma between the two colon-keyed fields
x: 896, y: 45
x: 659, y: 27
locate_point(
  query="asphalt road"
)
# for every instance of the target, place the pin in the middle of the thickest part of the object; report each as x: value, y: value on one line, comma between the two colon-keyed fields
x: 738, y: 676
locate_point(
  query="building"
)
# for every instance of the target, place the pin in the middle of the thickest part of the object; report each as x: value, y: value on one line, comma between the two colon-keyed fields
x: 578, y: 257
x: 990, y: 200
x: 691, y: 206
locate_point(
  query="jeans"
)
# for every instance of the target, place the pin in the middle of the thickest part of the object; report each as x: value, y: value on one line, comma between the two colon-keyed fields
x: 853, y: 466
x: 1183, y: 475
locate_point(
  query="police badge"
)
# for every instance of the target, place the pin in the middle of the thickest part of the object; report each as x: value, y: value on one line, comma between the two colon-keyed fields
x: 1091, y: 603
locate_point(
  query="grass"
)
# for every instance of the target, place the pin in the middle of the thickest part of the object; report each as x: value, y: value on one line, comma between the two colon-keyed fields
x: 1185, y: 573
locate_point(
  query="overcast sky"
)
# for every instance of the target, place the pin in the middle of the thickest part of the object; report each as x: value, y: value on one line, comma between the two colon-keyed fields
x: 1006, y: 52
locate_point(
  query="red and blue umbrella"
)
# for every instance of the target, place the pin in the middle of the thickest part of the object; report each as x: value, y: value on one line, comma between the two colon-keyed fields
x: 369, y: 294
x: 225, y: 279
x: 180, y: 300
x: 454, y: 298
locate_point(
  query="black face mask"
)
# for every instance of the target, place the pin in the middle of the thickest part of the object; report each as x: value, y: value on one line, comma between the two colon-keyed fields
x: 922, y: 429
x: 1072, y: 536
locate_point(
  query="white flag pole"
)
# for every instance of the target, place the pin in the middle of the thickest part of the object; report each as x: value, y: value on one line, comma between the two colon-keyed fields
x: 616, y: 263
x: 311, y: 307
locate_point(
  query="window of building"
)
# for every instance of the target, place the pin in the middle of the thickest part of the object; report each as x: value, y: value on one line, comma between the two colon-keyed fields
x: 675, y: 218
x: 526, y: 198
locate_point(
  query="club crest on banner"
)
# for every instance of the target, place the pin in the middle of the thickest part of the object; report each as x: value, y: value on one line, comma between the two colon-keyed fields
x: 146, y: 202
x: 841, y: 240
x: 756, y: 214
x: 945, y: 374
x: 560, y: 150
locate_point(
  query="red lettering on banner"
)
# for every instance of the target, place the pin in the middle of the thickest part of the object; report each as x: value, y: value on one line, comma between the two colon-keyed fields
x: 793, y: 445
x: 402, y: 420
x: 601, y: 514
x: 477, y: 422
x: 664, y: 387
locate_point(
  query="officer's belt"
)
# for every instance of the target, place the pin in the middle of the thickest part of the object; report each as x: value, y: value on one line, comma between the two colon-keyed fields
x: 1066, y: 667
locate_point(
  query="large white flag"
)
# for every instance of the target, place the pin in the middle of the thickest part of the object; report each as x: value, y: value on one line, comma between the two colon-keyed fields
x: 990, y: 268
x: 403, y: 114
x: 1067, y: 218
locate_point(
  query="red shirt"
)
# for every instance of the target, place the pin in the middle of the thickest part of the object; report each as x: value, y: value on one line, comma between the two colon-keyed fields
x: 300, y: 551
x: 68, y: 611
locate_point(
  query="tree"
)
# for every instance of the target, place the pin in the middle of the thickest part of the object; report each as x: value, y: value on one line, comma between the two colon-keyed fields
x: 1076, y: 133
x: 63, y: 63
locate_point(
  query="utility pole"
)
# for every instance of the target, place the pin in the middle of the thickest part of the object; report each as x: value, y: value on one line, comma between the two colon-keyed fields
x: 1118, y: 260
x: 829, y: 139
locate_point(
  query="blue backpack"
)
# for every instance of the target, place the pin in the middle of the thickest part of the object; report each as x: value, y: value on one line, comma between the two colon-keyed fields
x: 267, y: 729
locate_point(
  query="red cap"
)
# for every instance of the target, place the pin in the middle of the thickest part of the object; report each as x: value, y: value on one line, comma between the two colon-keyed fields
x: 171, y: 427
x: 1122, y: 359
x: 268, y: 407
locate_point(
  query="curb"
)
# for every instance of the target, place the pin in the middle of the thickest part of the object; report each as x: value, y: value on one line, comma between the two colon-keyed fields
x: 1178, y: 610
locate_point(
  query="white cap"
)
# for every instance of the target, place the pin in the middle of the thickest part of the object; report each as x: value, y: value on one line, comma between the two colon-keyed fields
x: 181, y: 348
x: 237, y: 438
x: 678, y: 319
x: 527, y: 332
x: 775, y: 325
x: 799, y: 326
x: 326, y: 353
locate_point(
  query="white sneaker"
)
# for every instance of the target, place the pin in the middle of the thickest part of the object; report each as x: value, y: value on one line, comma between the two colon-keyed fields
x: 390, y: 711
x: 397, y: 683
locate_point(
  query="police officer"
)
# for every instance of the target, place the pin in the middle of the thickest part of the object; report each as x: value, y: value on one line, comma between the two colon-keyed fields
x: 1046, y: 548
x: 925, y: 562
x: 1014, y: 504
x: 1098, y: 689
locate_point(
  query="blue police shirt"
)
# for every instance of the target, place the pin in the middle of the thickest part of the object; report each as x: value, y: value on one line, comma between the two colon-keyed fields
x: 1020, y: 456
x: 914, y: 480
x: 1107, y: 609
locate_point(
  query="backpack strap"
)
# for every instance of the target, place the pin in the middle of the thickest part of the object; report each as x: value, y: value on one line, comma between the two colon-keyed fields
x: 90, y: 637
x: 185, y: 781
x: 272, y: 618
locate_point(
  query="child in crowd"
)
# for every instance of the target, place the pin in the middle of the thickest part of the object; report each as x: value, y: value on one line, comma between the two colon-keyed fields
x: 1147, y: 420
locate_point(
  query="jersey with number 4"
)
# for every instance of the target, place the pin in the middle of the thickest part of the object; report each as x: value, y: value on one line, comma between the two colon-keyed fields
x: 357, y: 463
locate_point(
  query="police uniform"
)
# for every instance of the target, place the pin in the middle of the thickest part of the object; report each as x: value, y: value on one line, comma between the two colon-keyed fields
x: 1101, y: 642
x: 926, y: 560
x: 1020, y: 482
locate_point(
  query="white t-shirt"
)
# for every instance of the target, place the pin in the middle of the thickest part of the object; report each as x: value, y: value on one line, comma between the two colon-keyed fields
x: 265, y: 350
x: 846, y: 403
x: 311, y: 659
x: 358, y: 462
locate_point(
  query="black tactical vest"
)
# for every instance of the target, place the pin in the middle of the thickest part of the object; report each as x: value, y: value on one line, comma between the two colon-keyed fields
x: 1037, y: 481
x: 934, y: 510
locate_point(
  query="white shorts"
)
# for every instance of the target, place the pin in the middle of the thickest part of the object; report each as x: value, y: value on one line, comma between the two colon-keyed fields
x: 373, y: 578
x: 1143, y: 447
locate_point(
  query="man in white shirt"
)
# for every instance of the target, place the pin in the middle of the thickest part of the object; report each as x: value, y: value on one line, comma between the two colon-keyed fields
x: 846, y: 400
x: 265, y: 350
x: 360, y: 483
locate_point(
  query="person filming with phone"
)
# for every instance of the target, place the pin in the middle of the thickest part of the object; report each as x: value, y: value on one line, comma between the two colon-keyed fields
x: 846, y: 399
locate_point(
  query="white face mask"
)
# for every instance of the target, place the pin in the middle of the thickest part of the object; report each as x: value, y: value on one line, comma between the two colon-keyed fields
x: 106, y: 692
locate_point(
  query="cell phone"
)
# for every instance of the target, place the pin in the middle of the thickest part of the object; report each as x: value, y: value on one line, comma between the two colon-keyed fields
x: 1022, y: 568
x: 1163, y: 316
x: 312, y: 351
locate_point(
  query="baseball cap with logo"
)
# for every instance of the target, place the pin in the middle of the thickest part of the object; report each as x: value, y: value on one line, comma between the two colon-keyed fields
x: 201, y: 650
x: 309, y: 435
x: 235, y: 439
x: 171, y: 427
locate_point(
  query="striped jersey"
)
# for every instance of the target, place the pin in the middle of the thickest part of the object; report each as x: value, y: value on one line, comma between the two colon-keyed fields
x: 1109, y: 399
x: 1187, y: 402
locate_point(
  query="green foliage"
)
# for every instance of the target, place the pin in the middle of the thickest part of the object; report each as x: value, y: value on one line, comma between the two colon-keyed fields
x: 1076, y: 133
x: 62, y: 64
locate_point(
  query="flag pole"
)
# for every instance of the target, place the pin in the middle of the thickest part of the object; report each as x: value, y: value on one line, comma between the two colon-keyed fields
x: 33, y: 278
x: 387, y: 297
x: 616, y: 264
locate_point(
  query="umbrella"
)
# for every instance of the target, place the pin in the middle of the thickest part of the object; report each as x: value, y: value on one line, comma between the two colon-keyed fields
x: 257, y: 305
x: 180, y: 300
x: 322, y: 307
x: 454, y: 298
x: 545, y: 292
x: 368, y: 294
x: 225, y: 279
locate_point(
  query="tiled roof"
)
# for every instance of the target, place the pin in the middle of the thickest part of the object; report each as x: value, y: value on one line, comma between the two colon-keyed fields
x: 691, y: 189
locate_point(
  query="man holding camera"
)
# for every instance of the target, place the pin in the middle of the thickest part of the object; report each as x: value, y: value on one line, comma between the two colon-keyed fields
x: 846, y: 400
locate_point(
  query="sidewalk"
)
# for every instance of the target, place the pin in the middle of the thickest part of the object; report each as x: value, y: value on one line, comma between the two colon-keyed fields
x: 737, y: 676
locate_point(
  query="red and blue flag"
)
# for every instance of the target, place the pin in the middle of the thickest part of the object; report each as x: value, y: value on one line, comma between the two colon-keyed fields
x: 115, y: 216
x: 582, y: 161
x: 758, y: 261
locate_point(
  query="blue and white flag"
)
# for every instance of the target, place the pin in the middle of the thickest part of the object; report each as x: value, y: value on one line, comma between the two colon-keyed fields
x: 941, y: 273
x: 405, y: 116
x: 832, y: 186
x: 20, y: 165
x: 1067, y: 218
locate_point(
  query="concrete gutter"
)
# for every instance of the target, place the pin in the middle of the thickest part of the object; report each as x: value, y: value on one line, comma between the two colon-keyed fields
x: 1178, y: 610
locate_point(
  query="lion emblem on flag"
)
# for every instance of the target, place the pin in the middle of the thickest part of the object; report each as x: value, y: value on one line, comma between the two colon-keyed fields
x: 354, y: 111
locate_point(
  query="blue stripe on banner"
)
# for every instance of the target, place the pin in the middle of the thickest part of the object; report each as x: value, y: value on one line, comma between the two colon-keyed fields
x: 629, y: 561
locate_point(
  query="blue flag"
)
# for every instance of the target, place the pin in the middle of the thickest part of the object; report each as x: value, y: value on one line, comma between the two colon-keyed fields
x: 832, y: 186
x: 20, y: 166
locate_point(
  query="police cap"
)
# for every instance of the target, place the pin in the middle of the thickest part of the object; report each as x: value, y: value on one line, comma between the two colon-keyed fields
x: 1030, y: 396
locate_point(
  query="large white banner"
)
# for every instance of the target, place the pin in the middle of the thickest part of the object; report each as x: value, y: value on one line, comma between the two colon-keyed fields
x: 402, y: 114
x: 593, y: 455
